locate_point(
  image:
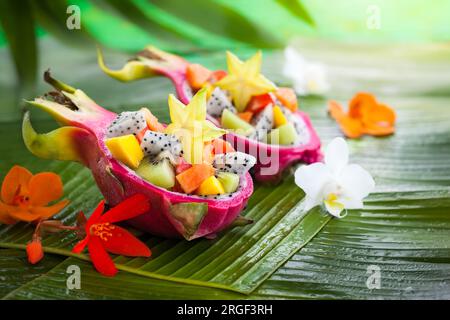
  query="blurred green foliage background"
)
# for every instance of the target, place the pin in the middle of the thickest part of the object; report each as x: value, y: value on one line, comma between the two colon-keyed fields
x: 187, y: 26
x: 401, y: 20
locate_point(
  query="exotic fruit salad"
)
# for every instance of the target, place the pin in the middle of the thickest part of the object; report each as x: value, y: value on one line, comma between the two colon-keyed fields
x: 262, y: 119
x: 196, y: 183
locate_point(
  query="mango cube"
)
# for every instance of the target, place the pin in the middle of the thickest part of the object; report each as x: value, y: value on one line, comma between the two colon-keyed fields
x: 278, y: 117
x: 126, y: 149
x: 210, y: 186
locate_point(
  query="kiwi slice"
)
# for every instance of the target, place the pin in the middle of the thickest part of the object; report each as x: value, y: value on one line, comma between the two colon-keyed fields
x: 283, y: 135
x: 159, y: 172
x: 231, y: 121
x: 229, y: 181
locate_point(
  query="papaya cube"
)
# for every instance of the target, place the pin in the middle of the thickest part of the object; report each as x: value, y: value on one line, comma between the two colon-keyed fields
x: 197, y: 75
x: 246, y: 116
x: 218, y: 75
x: 152, y: 121
x: 193, y: 177
x: 258, y: 103
x: 126, y: 149
x: 288, y: 98
x: 222, y: 146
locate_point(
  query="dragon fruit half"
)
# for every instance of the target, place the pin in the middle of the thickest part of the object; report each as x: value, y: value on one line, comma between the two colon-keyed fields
x: 272, y: 159
x: 81, y: 139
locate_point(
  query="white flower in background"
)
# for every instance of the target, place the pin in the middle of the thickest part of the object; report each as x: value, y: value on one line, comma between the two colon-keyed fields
x: 335, y: 184
x: 307, y: 77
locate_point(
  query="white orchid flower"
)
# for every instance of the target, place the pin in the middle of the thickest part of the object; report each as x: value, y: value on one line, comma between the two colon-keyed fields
x: 307, y: 77
x: 335, y: 184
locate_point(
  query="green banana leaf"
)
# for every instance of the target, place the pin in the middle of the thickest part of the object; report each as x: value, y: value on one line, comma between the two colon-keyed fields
x: 52, y: 283
x: 15, y: 271
x: 410, y: 246
x: 297, y: 9
x: 403, y: 228
x: 221, y: 20
x: 237, y: 260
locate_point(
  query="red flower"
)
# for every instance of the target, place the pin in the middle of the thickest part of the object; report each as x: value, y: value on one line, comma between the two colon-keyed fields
x: 102, y: 236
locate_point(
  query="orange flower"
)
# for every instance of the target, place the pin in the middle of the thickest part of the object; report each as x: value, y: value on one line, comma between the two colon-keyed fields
x: 34, y: 250
x: 365, y: 116
x: 24, y: 196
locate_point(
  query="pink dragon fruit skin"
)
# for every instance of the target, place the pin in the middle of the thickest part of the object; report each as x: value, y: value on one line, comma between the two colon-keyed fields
x: 82, y: 140
x: 174, y: 67
x: 287, y: 155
